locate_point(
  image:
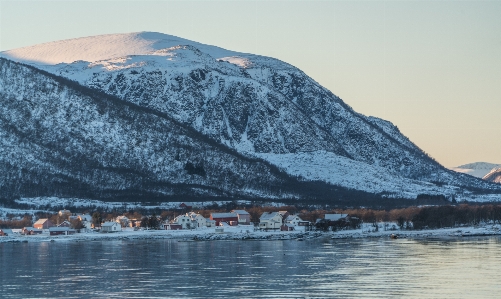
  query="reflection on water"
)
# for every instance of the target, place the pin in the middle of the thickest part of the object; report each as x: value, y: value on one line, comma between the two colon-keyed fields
x: 454, y: 268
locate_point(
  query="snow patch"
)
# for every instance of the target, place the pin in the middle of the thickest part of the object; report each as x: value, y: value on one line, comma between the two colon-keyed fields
x: 240, y: 61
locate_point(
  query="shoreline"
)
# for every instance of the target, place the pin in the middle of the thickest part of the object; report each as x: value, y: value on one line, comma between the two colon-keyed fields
x: 244, y: 234
x: 455, y: 232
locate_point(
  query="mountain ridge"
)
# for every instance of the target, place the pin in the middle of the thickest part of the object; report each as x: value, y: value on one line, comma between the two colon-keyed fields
x: 262, y: 107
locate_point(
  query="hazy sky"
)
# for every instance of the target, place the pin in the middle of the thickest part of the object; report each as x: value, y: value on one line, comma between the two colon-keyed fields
x: 432, y: 68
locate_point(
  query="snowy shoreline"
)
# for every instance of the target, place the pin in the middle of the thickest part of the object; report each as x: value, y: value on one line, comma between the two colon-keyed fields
x: 467, y: 231
x: 243, y: 234
x: 235, y: 233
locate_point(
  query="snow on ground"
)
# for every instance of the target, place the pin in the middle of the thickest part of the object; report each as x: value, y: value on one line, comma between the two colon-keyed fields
x: 341, y: 171
x: 248, y: 233
x: 240, y: 61
x: 47, y: 202
x: 17, y: 212
x: 367, y: 231
x: 242, y: 232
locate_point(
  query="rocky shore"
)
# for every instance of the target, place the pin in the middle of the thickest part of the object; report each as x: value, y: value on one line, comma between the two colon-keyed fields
x: 239, y: 234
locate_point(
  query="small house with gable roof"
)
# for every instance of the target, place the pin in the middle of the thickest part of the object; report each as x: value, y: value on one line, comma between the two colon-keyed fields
x: 111, y: 227
x: 270, y: 220
x: 198, y: 220
x: 243, y: 217
x: 184, y: 221
x: 43, y: 223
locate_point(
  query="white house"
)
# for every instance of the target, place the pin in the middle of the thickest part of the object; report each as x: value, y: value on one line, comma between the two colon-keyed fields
x: 210, y: 223
x: 111, y: 226
x: 297, y: 222
x: 293, y: 219
x: 198, y: 220
x: 270, y: 220
x: 184, y: 221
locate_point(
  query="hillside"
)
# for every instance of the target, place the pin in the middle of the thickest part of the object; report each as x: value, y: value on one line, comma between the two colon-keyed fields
x: 283, y: 127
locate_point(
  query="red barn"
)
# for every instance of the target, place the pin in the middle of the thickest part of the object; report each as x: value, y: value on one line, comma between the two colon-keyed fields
x: 230, y: 218
x: 185, y: 206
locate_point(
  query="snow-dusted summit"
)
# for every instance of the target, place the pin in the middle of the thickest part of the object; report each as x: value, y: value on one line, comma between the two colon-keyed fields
x: 476, y: 169
x: 494, y: 176
x: 101, y: 47
x: 250, y: 106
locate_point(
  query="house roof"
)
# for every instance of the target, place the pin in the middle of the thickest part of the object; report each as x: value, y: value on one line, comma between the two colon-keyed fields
x: 241, y: 212
x: 334, y: 217
x: 110, y: 223
x: 223, y: 215
x: 292, y: 217
x: 41, y: 221
x: 64, y: 222
x: 269, y: 215
x: 181, y: 216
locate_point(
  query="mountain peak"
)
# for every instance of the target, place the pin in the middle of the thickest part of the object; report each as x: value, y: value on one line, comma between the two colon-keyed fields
x: 108, y: 46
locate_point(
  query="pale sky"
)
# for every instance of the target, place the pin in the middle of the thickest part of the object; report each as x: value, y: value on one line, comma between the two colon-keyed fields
x: 432, y: 68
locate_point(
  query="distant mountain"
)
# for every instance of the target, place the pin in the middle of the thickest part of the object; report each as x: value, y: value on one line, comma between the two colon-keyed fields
x: 494, y: 175
x: 477, y: 169
x: 149, y: 113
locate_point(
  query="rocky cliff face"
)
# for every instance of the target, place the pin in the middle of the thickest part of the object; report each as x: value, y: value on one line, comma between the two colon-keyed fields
x: 240, y: 104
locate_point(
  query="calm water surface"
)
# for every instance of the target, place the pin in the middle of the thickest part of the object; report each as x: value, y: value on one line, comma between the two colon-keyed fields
x: 319, y: 268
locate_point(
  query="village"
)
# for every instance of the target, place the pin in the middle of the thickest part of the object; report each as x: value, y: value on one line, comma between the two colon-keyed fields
x: 68, y: 223
x: 184, y: 221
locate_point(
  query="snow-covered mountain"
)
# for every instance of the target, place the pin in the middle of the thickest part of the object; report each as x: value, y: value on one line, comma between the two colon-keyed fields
x: 494, y: 176
x: 260, y: 110
x: 477, y: 169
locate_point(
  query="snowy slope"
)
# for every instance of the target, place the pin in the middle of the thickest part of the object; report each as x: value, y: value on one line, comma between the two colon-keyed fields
x: 258, y: 106
x: 341, y: 171
x: 477, y: 169
x: 494, y: 175
x: 59, y: 139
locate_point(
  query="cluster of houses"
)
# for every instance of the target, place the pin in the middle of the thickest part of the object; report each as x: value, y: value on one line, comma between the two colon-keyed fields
x: 44, y: 225
x: 280, y: 220
x: 268, y: 221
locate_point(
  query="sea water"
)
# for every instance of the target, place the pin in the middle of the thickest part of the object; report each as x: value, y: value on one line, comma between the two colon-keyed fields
x: 315, y: 268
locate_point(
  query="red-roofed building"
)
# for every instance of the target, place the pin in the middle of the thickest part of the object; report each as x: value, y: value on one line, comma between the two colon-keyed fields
x: 230, y: 218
